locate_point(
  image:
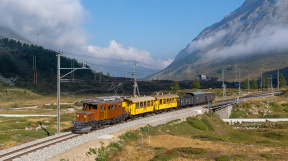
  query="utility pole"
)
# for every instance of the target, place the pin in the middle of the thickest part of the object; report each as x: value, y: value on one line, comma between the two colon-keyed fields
x: 223, y: 85
x: 58, y: 92
x: 126, y: 74
x: 135, y: 81
x: 100, y: 74
x: 236, y: 74
x: 261, y: 82
x: 278, y: 82
x: 248, y: 81
x: 59, y: 80
x: 37, y: 41
x: 34, y: 69
x: 239, y: 82
x: 271, y: 83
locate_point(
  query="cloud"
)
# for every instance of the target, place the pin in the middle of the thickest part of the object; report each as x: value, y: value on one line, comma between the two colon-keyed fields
x: 207, y: 41
x: 270, y: 40
x: 60, y: 23
x: 117, y: 51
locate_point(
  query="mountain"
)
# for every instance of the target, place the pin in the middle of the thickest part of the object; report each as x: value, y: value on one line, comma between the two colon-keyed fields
x: 8, y: 33
x: 254, y: 38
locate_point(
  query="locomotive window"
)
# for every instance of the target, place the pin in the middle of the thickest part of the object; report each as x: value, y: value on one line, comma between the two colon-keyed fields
x: 127, y: 104
x: 119, y: 105
x: 84, y: 105
x: 102, y: 108
x: 172, y: 99
x: 144, y: 104
x: 95, y: 107
x: 151, y: 103
x: 137, y: 105
x: 148, y: 103
x: 164, y: 100
x: 115, y: 106
x: 160, y: 101
x: 108, y: 107
x: 141, y: 104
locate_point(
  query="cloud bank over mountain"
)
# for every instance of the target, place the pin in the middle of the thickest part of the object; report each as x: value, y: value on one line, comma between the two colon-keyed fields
x: 60, y: 23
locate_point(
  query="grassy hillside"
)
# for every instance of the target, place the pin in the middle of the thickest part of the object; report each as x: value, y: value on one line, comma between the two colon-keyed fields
x: 205, y: 137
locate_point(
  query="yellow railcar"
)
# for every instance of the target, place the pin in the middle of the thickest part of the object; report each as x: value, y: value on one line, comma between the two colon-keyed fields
x: 139, y: 105
x: 166, y: 101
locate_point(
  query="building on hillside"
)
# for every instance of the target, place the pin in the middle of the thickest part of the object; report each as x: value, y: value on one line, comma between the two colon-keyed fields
x: 207, y: 78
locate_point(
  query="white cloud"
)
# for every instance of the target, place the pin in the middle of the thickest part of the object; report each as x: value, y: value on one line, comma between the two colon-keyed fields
x: 268, y: 40
x: 117, y: 51
x: 60, y: 23
x: 207, y: 41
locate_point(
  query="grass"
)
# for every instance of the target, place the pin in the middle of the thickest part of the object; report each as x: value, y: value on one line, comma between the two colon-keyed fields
x: 183, y: 139
x: 15, y: 131
x: 272, y: 107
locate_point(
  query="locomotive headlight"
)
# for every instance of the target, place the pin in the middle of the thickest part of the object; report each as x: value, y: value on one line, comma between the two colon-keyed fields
x: 77, y: 115
x: 84, y: 116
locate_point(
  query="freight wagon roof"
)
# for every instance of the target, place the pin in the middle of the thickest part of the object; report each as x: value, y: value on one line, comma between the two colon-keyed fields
x: 195, y: 93
x: 166, y: 96
x: 140, y: 99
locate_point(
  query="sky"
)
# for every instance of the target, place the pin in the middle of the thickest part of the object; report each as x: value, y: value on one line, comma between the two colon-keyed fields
x: 160, y: 27
x: 114, y: 33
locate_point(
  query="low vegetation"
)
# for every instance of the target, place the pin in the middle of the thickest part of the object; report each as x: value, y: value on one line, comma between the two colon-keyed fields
x: 204, y: 137
x: 271, y: 107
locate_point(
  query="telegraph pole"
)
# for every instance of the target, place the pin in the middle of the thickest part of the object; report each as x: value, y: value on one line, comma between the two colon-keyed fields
x: 37, y: 41
x: 261, y: 82
x: 248, y: 81
x: 58, y: 92
x: 135, y: 81
x: 223, y: 85
x: 100, y: 74
x: 272, y: 83
x: 239, y: 82
x: 59, y: 80
x: 278, y: 82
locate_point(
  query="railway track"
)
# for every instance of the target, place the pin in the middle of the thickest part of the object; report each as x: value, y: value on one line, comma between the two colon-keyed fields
x: 58, y: 139
x: 34, y: 147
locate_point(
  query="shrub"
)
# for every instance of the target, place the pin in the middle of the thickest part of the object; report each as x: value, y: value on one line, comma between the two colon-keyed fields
x: 159, y: 148
x: 223, y: 158
x: 189, y: 150
x: 208, y: 137
x: 270, y: 156
x: 274, y: 135
x: 130, y: 135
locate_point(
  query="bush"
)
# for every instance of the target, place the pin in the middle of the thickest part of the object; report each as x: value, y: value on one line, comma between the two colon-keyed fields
x: 274, y: 135
x: 208, y: 137
x: 223, y: 158
x: 270, y: 156
x: 130, y: 135
x: 189, y: 150
x: 196, y: 123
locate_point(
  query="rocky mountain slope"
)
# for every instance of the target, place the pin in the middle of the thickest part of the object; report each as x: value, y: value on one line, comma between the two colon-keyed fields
x: 253, y: 37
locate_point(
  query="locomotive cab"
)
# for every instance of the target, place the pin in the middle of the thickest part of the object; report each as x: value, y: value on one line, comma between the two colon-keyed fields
x: 98, y: 112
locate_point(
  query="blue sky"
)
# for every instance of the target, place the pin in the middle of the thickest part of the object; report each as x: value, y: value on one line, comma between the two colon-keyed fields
x: 160, y: 27
x: 114, y: 33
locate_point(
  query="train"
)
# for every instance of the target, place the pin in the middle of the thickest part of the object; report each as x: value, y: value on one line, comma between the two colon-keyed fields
x: 101, y: 111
